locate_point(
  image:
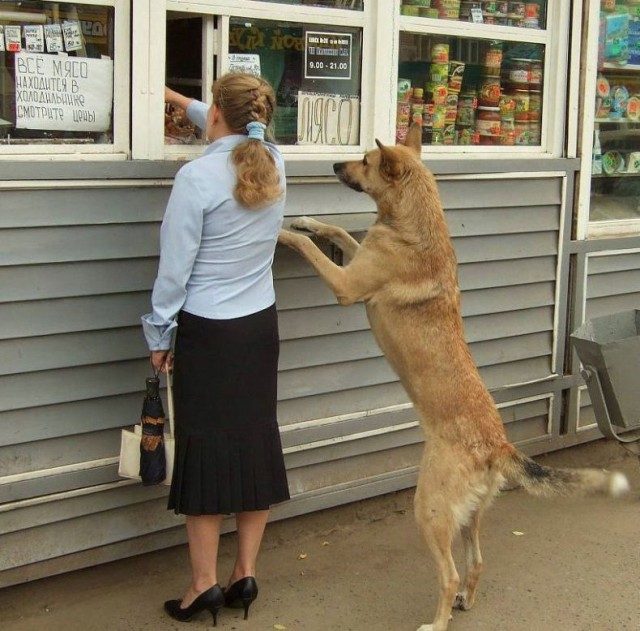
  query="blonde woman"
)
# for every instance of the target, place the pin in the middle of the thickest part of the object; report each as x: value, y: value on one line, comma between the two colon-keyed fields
x: 214, y: 292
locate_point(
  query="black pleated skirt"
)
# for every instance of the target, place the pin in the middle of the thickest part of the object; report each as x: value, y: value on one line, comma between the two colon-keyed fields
x: 228, y: 452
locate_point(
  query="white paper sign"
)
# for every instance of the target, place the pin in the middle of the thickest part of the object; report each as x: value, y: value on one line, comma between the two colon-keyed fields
x: 72, y: 35
x: 53, y: 38
x: 13, y: 38
x: 63, y: 93
x: 34, y: 38
x: 328, y: 119
x: 1, y: 38
x: 249, y: 64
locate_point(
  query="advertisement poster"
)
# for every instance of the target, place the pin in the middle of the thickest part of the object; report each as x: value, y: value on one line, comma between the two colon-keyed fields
x: 327, y: 55
x: 63, y: 93
x: 328, y: 119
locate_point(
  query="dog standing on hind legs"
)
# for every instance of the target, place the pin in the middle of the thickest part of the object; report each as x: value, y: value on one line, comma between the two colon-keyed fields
x: 405, y: 271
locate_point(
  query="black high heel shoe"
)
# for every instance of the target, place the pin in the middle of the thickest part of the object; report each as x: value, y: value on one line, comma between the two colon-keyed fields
x: 211, y: 600
x: 241, y: 594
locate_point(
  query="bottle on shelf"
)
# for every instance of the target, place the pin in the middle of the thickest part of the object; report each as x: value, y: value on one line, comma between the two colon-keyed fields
x: 596, y: 159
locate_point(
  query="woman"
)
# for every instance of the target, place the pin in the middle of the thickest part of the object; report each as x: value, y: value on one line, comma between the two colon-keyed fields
x: 214, y: 290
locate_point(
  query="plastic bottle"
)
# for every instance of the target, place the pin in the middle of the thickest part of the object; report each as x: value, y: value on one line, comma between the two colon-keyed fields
x: 596, y: 159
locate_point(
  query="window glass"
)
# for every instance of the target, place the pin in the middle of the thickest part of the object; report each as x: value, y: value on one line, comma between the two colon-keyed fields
x: 315, y: 73
x: 494, y: 12
x: 615, y: 168
x: 470, y: 91
x: 56, y: 73
x: 356, y: 5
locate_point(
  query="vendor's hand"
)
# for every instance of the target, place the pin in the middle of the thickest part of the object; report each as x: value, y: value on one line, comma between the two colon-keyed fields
x: 161, y: 360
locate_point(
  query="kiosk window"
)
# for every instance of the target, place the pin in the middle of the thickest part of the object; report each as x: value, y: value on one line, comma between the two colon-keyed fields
x: 56, y: 73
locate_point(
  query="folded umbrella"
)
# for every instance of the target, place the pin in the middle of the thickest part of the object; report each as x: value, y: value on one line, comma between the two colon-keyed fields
x: 153, y: 465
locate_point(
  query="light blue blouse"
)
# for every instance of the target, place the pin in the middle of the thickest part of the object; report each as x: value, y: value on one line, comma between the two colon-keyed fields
x: 215, y: 255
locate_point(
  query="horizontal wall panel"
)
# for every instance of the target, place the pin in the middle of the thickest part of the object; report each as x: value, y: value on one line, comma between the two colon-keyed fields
x: 321, y: 320
x: 507, y: 273
x: 501, y: 299
x: 512, y: 349
x: 67, y: 419
x: 345, y: 376
x: 497, y: 248
x: 72, y: 384
x: 502, y: 220
x: 61, y: 206
x: 291, y: 411
x: 514, y: 373
x: 63, y: 280
x: 491, y: 193
x: 73, y: 349
x: 325, y: 199
x: 597, y: 307
x: 57, y: 483
x: 508, y: 324
x: 65, y: 315
x: 46, y: 454
x: 78, y: 243
x: 320, y: 351
x: 614, y: 263
x: 617, y: 283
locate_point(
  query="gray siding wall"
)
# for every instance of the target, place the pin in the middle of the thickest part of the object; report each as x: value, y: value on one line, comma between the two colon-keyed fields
x: 76, y: 266
x: 612, y: 284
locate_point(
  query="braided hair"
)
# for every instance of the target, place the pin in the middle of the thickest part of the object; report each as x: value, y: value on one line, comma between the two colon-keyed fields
x: 245, y: 98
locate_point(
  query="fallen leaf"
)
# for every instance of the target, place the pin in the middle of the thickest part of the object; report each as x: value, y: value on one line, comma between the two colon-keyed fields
x: 517, y: 533
x: 279, y: 627
x: 325, y: 543
x: 301, y: 556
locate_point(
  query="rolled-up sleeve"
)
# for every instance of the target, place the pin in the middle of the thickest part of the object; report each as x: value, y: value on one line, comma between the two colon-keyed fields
x: 197, y: 112
x: 180, y: 237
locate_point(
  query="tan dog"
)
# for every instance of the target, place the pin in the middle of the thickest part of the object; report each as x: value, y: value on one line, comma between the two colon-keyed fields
x: 405, y: 272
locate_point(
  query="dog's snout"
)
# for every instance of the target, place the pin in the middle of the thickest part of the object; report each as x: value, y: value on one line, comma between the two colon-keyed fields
x: 338, y: 168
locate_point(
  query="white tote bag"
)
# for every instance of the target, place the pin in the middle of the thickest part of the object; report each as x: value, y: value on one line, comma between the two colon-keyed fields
x: 129, y: 466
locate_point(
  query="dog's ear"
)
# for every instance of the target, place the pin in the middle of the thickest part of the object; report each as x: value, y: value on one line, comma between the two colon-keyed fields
x: 391, y: 165
x: 414, y: 138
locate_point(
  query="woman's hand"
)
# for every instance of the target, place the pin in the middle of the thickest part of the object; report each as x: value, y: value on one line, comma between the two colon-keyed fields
x: 161, y: 360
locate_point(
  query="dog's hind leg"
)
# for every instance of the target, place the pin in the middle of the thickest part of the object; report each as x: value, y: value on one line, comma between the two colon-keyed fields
x: 473, y: 558
x: 438, y: 527
x: 338, y: 236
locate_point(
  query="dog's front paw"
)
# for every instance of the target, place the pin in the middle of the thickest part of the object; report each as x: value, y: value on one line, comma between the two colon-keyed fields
x: 304, y: 223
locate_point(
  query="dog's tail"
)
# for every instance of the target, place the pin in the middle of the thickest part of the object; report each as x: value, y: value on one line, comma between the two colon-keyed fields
x: 547, y: 481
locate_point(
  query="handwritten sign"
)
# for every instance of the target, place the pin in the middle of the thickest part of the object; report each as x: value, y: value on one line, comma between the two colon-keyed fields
x: 327, y: 55
x: 53, y: 38
x: 247, y: 63
x: 34, y: 38
x: 63, y: 93
x: 328, y: 119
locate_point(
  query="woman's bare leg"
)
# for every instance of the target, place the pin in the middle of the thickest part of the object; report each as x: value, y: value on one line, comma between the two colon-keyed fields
x: 250, y: 525
x: 203, y: 533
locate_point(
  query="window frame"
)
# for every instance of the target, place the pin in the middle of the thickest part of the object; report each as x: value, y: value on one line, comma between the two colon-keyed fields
x: 148, y: 136
x: 119, y: 149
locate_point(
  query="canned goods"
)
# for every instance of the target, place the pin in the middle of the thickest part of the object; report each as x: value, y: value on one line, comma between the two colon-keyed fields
x: 439, y: 72
x: 522, y: 134
x: 489, y: 6
x: 520, y: 72
x: 521, y: 100
x: 516, y: 9
x: 467, y: 104
x: 456, y: 72
x: 465, y: 136
x: 502, y: 7
x: 535, y: 105
x: 493, y: 59
x: 535, y: 78
x: 439, y: 117
x: 440, y: 54
x: 507, y: 132
x: 488, y: 121
x: 532, y: 10
x: 489, y: 94
x: 507, y: 107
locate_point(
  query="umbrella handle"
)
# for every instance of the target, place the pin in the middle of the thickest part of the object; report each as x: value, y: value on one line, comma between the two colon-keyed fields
x: 170, y: 402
